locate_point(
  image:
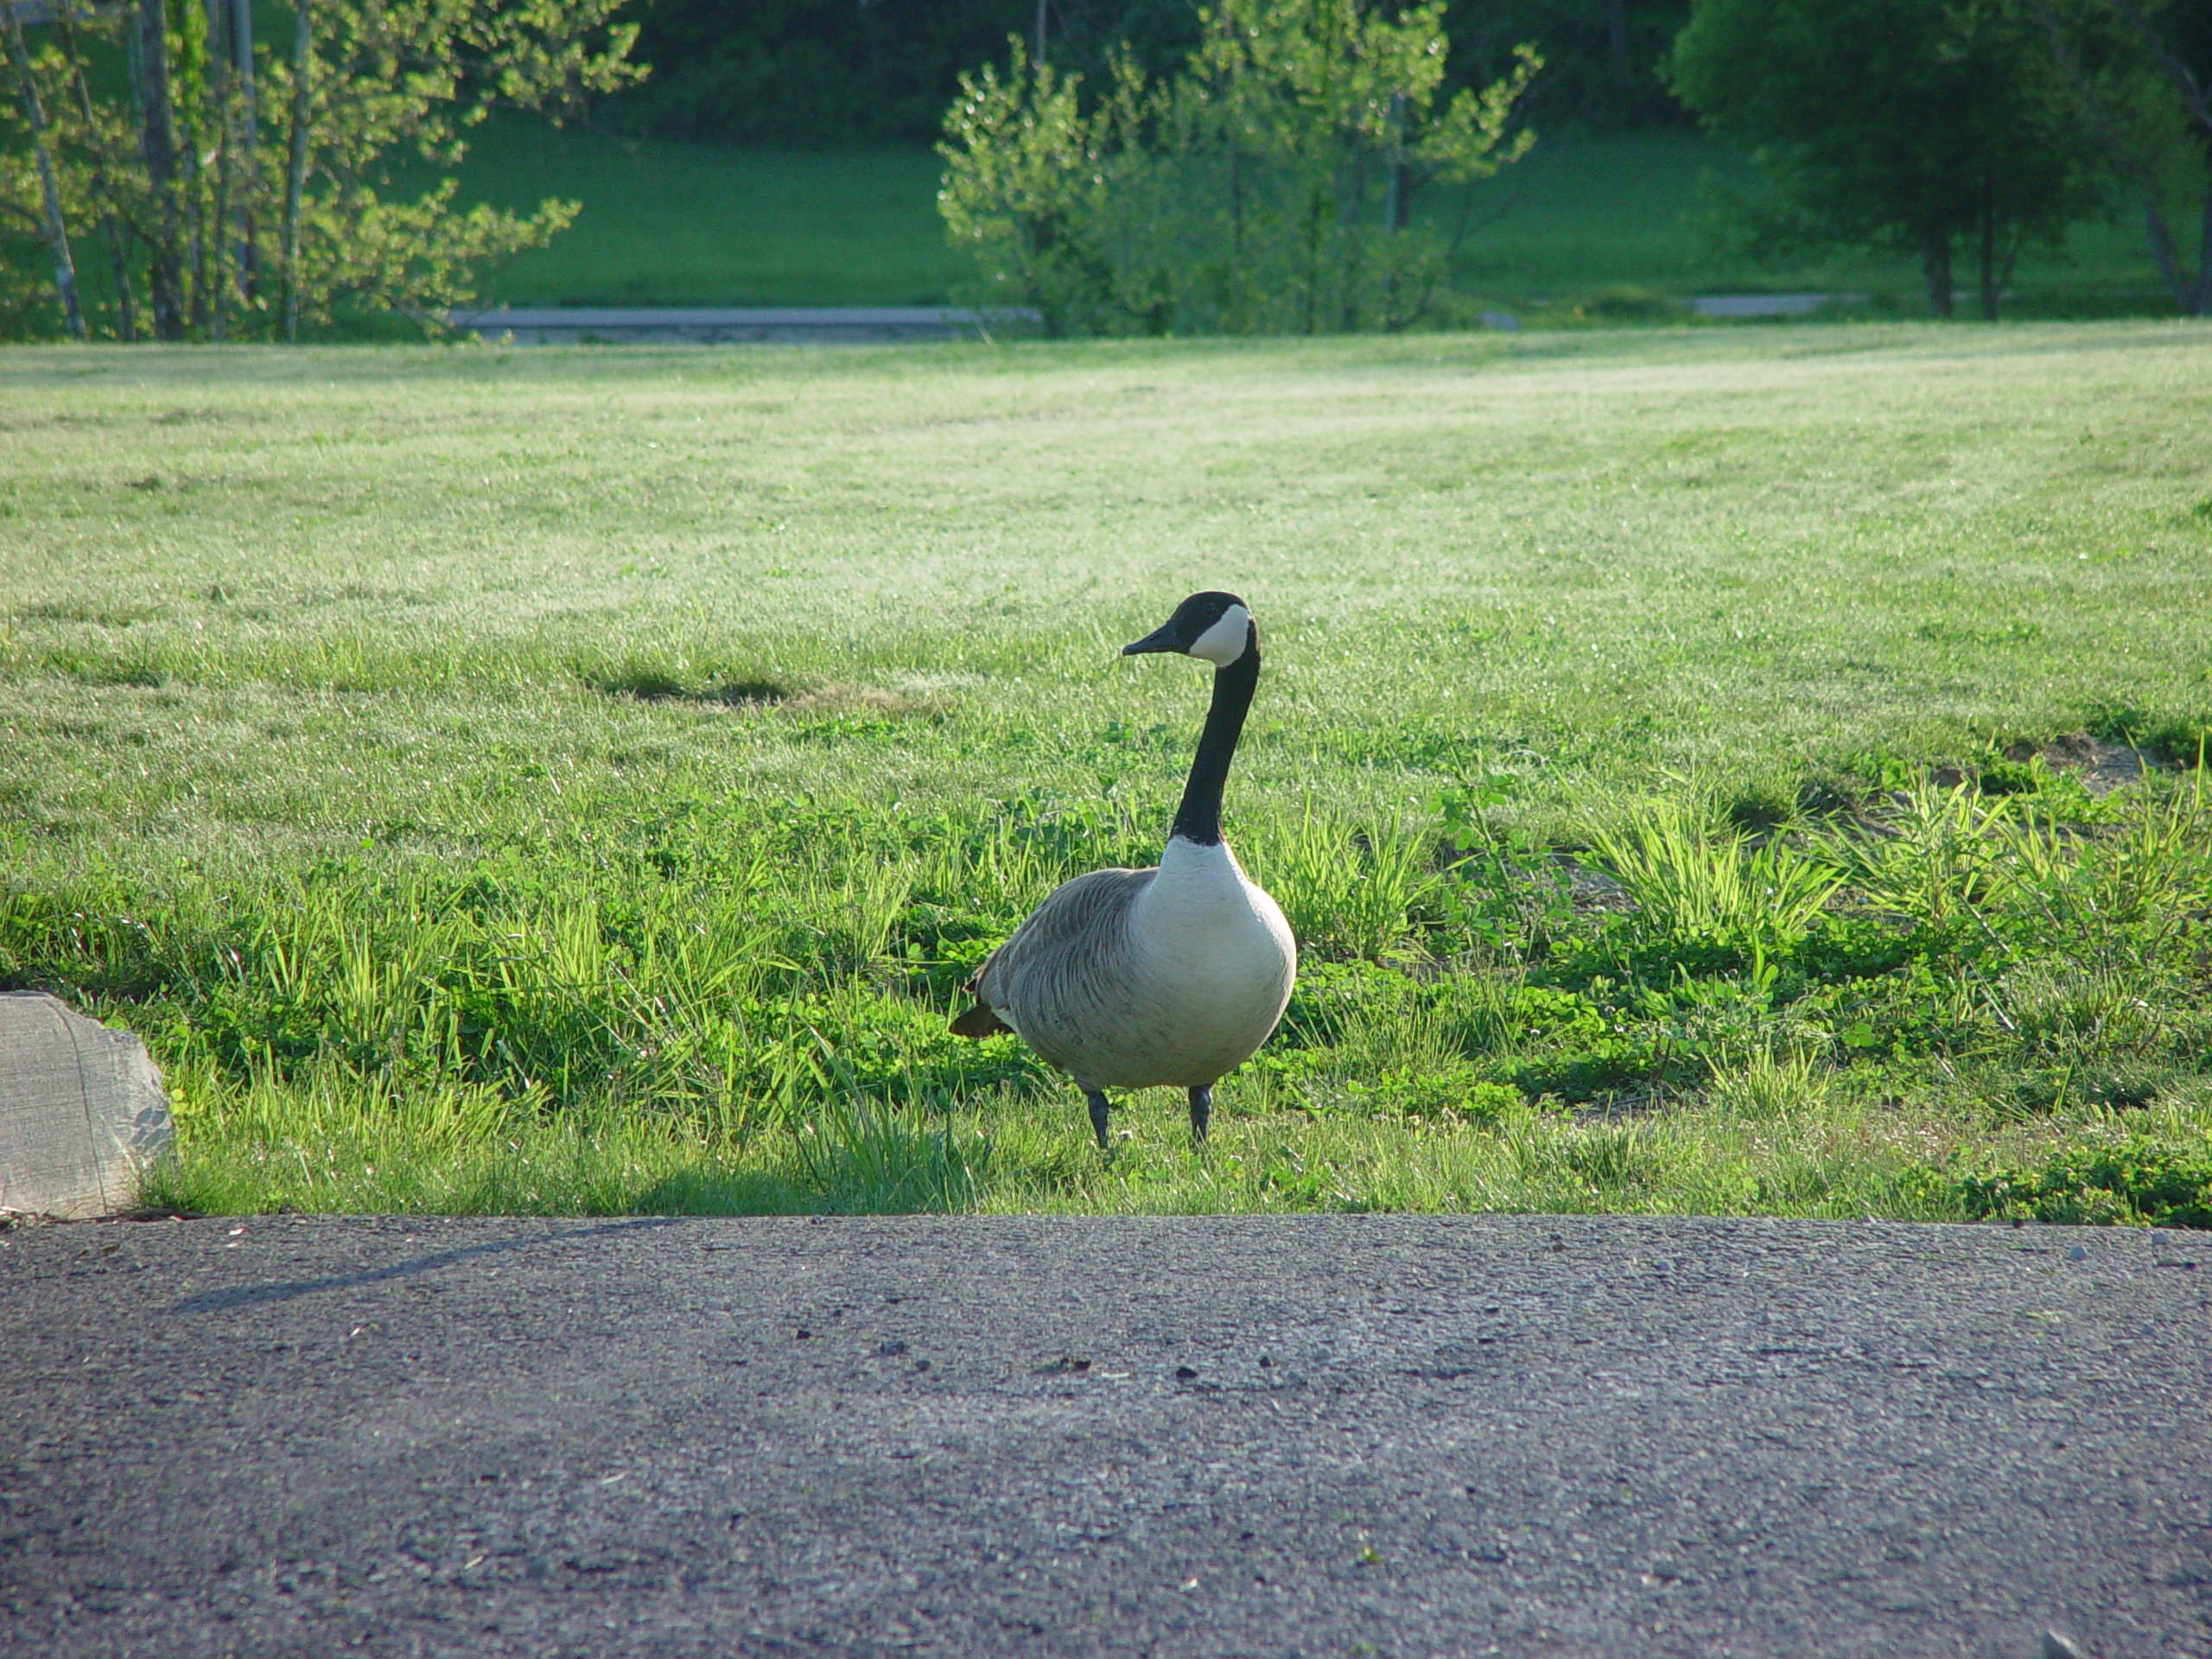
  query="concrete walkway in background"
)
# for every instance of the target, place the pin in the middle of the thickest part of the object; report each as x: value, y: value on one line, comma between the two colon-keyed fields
x: 710, y: 325
x: 875, y: 324
x: 1387, y: 1436
x: 1763, y: 305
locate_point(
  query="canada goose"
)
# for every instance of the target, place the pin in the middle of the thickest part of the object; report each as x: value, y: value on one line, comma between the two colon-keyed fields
x: 1139, y: 979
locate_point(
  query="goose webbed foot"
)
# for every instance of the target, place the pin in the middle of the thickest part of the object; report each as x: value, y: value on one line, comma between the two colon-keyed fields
x: 1201, y: 1112
x: 1096, y: 1099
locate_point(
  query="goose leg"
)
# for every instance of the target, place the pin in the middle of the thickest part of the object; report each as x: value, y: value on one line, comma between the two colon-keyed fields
x: 1201, y: 1110
x: 1098, y: 1101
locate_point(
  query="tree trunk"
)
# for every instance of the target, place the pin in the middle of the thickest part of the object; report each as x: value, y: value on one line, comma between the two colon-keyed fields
x: 248, y: 138
x: 57, y: 233
x: 2199, y: 302
x: 1397, y: 183
x: 295, y: 175
x: 1987, y: 251
x: 193, y: 86
x: 2161, y: 251
x: 126, y: 304
x: 1235, y: 238
x: 222, y: 103
x: 241, y: 19
x: 195, y: 208
x: 126, y: 320
x: 157, y: 144
x: 218, y: 239
x: 1316, y: 215
x: 1936, y: 270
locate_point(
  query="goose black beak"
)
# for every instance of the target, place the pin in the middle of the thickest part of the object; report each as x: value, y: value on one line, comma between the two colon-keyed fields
x: 1160, y: 638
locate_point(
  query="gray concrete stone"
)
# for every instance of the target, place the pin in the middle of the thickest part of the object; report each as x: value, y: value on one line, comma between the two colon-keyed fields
x: 82, y: 1112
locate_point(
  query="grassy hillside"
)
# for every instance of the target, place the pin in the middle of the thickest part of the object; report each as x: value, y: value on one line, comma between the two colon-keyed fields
x: 687, y: 223
x: 559, y: 780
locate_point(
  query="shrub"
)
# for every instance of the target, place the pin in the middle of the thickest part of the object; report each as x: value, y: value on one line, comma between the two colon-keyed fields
x: 1264, y: 188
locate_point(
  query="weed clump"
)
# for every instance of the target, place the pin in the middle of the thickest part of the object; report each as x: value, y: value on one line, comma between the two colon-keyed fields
x: 2137, y: 1180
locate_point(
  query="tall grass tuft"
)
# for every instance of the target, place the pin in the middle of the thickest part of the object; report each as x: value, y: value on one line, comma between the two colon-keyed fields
x: 1937, y: 859
x: 1773, y: 1081
x: 1348, y: 887
x: 1691, y: 877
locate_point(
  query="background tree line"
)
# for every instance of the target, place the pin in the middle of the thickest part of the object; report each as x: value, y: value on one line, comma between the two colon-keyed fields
x: 237, y: 187
x: 1159, y: 164
x: 826, y: 72
x: 1957, y: 130
x: 1944, y: 127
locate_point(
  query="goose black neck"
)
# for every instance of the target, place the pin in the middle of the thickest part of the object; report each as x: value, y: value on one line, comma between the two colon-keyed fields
x: 1198, y: 818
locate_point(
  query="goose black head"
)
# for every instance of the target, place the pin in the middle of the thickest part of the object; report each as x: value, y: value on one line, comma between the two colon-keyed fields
x: 1215, y: 628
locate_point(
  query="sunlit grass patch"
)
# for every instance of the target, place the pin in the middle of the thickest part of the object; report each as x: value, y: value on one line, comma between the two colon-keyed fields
x: 349, y: 1148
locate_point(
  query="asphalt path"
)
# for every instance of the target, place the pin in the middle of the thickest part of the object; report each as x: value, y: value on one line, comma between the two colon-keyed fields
x: 1387, y: 1435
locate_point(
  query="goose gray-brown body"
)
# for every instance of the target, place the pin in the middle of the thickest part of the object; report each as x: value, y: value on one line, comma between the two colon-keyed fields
x: 1136, y: 979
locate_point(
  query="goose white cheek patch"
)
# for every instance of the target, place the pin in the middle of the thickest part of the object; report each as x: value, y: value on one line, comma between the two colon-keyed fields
x: 1223, y: 643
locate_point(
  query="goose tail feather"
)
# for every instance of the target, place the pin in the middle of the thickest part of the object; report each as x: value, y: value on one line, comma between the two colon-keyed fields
x: 978, y: 1022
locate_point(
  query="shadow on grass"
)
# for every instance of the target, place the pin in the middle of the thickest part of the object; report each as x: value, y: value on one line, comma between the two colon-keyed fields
x: 857, y: 1158
x: 722, y: 1192
x: 648, y: 682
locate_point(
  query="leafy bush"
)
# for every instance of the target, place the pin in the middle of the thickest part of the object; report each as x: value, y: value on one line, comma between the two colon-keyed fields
x: 1025, y: 188
x: 1267, y: 187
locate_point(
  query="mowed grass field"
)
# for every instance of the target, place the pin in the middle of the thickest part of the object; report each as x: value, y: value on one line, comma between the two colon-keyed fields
x: 578, y: 780
x: 1583, y: 217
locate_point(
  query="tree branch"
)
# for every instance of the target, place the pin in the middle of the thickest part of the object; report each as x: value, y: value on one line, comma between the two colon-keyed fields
x: 2200, y: 105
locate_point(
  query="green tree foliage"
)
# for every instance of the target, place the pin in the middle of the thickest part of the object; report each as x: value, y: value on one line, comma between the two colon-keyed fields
x: 1915, y: 125
x: 1265, y: 186
x: 829, y: 74
x: 239, y: 190
x: 1602, y: 58
x: 1025, y: 188
x: 2138, y: 74
x: 825, y: 74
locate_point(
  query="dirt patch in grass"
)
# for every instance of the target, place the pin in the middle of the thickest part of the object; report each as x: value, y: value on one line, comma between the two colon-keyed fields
x: 2101, y: 767
x: 876, y: 702
x: 653, y: 682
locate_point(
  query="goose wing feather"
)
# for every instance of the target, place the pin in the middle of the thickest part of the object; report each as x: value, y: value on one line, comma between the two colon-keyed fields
x: 1071, y: 953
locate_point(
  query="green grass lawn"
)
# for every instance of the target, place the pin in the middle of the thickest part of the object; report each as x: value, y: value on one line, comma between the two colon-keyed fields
x: 668, y: 222
x: 578, y: 779
x: 1583, y: 210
